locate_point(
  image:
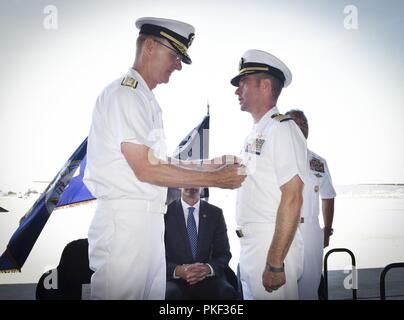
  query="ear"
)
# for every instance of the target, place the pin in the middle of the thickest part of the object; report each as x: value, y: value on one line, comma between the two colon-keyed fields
x: 266, y: 84
x: 149, y: 45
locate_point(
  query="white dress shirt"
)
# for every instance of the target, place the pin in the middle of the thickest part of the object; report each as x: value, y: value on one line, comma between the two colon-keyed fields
x: 185, y: 207
x: 124, y: 115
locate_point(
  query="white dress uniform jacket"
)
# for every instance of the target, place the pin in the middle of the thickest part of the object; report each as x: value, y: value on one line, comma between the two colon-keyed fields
x: 273, y: 153
x: 126, y: 236
x: 318, y: 183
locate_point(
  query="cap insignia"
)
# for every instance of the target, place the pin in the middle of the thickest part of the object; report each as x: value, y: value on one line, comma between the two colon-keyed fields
x: 179, y: 45
x: 241, y: 63
x: 191, y: 39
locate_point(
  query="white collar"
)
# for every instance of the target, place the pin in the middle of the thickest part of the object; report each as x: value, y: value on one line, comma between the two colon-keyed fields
x: 142, y: 82
x: 265, y: 118
x: 185, y: 205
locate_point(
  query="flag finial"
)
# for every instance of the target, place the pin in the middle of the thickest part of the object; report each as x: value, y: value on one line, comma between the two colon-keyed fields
x: 208, y: 108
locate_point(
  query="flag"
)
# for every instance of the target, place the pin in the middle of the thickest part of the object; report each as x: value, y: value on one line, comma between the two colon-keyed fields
x: 31, y: 225
x: 76, y: 192
x: 67, y: 189
x: 194, y: 146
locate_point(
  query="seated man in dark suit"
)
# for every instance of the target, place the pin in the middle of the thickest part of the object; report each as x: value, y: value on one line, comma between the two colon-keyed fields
x: 197, y: 250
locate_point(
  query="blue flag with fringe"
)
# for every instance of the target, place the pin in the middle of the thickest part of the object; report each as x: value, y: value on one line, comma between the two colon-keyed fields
x: 68, y: 189
x: 76, y: 192
x: 32, y: 223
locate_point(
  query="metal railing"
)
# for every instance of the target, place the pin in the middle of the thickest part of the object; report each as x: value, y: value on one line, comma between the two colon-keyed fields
x: 383, y: 276
x: 354, y: 289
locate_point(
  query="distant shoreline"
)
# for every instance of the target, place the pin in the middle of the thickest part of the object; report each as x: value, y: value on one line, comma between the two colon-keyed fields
x: 33, y: 191
x: 379, y: 184
x: 360, y: 190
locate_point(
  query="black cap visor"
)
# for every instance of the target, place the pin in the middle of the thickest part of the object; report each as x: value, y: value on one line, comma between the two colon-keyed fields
x: 253, y: 68
x: 178, y: 42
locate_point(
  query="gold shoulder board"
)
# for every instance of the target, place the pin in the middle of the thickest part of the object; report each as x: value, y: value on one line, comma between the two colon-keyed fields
x: 282, y: 118
x: 129, y: 82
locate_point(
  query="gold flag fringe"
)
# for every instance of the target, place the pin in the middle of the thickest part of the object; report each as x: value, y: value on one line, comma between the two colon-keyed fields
x: 10, y: 271
x: 75, y: 204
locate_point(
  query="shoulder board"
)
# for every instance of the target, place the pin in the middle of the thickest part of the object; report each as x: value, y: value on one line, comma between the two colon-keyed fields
x: 129, y: 82
x: 282, y: 118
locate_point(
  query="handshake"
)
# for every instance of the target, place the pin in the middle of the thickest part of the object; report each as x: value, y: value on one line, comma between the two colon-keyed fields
x: 228, y: 172
x: 224, y: 172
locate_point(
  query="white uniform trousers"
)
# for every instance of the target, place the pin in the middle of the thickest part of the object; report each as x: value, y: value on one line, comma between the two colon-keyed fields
x: 126, y: 251
x: 254, y: 247
x: 313, y: 239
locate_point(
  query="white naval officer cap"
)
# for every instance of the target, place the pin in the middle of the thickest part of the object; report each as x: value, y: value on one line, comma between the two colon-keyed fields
x: 257, y: 61
x: 179, y: 34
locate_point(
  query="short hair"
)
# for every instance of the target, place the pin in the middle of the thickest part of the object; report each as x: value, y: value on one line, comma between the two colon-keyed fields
x: 297, y: 113
x: 277, y: 85
x: 140, y: 42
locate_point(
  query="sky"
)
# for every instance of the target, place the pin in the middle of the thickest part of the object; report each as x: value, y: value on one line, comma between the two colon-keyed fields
x: 347, y: 77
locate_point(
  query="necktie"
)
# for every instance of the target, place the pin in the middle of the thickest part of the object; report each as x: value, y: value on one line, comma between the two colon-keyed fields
x: 192, y: 232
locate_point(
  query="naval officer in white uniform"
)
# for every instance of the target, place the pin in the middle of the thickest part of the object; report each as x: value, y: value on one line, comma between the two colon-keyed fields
x: 127, y: 170
x: 270, y: 199
x: 318, y: 184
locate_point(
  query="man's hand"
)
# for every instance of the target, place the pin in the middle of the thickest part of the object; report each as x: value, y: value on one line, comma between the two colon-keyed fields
x: 273, y: 280
x: 180, y: 271
x: 193, y: 273
x: 230, y: 176
x: 327, y: 233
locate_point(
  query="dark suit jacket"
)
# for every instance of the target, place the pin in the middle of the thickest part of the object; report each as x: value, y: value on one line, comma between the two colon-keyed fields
x: 213, y: 243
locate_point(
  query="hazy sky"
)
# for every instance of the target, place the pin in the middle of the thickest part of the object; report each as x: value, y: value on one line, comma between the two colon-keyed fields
x: 348, y: 81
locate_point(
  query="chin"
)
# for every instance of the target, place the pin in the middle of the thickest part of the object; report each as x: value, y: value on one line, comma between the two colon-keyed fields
x: 168, y: 76
x: 164, y: 80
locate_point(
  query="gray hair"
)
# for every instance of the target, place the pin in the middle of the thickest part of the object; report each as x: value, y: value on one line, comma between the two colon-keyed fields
x: 140, y: 42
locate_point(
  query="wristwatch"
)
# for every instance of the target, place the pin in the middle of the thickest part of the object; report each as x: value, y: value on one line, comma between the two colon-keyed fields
x: 270, y: 268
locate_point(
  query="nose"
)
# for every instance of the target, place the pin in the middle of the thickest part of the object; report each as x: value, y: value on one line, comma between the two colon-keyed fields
x: 237, y: 92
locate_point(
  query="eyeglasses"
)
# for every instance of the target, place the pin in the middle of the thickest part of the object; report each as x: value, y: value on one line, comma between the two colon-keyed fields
x: 175, y: 54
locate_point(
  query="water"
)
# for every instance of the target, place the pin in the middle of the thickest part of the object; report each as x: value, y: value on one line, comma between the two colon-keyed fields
x: 371, y: 227
x: 369, y: 220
